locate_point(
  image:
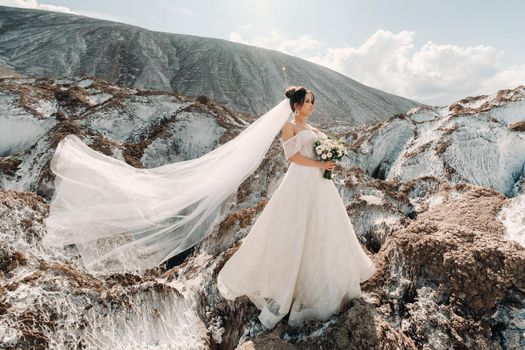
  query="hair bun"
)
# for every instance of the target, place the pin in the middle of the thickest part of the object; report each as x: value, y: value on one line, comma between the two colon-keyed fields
x: 290, y: 91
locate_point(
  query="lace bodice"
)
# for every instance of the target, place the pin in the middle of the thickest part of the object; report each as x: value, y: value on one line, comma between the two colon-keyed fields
x: 302, y: 142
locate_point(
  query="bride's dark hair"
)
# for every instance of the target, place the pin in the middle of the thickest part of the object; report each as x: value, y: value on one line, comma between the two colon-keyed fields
x: 296, y: 94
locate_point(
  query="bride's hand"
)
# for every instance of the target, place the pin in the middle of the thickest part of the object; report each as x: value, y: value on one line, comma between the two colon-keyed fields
x: 329, y: 165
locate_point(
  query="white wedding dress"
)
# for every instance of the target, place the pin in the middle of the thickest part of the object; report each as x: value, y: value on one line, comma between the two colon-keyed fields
x: 302, y: 255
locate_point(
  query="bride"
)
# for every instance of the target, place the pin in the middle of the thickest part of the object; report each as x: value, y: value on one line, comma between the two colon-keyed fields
x: 301, y: 256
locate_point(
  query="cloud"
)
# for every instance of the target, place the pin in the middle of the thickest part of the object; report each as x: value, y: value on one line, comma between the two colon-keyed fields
x: 505, y: 79
x: 434, y: 73
x: 33, y: 4
x: 437, y: 74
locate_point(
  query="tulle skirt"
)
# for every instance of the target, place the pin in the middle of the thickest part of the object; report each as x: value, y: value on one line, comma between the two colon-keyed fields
x: 301, y: 256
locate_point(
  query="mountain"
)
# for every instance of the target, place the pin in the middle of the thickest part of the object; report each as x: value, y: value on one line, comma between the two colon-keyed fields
x: 478, y: 140
x: 245, y: 78
x: 436, y: 197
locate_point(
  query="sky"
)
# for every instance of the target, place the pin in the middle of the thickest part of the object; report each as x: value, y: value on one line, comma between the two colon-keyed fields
x: 433, y: 52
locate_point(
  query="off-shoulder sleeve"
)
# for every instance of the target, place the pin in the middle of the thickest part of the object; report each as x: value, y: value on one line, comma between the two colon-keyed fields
x: 291, y: 146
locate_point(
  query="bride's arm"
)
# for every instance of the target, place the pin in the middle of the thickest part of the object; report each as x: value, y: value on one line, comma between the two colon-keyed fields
x: 305, y: 160
x: 287, y: 133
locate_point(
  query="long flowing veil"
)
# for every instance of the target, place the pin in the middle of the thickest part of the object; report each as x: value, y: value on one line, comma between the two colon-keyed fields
x: 123, y: 218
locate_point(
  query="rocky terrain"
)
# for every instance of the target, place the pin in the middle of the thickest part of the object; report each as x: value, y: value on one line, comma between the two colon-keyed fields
x: 245, y: 78
x: 436, y: 196
x: 144, y: 128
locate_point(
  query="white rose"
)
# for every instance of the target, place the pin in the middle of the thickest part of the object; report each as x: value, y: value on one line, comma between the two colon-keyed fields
x: 323, y: 156
x: 329, y: 154
x: 319, y: 151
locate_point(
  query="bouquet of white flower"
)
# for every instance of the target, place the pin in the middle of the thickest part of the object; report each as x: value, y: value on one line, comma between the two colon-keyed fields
x: 329, y: 149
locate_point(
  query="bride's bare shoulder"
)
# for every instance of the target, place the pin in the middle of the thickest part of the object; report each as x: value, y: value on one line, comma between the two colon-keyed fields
x: 288, y: 126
